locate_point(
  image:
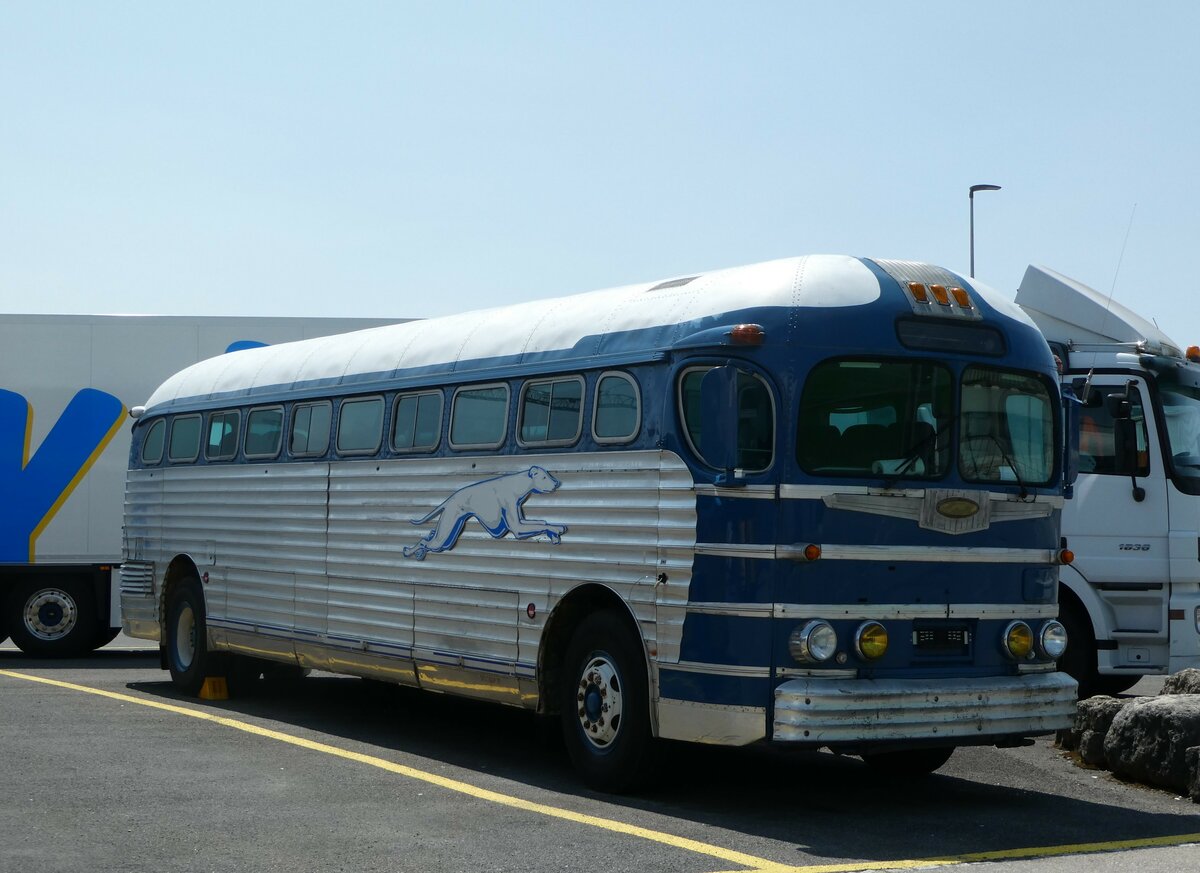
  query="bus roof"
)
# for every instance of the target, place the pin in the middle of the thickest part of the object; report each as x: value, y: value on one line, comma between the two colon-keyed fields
x: 620, y: 324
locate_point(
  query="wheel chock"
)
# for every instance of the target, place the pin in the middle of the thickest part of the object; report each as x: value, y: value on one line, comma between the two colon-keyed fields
x: 214, y: 688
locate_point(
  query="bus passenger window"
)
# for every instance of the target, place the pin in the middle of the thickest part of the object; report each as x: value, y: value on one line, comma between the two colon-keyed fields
x: 479, y: 417
x: 616, y: 416
x: 755, y: 425
x: 264, y: 432
x: 222, y: 436
x: 310, y: 429
x: 417, y: 423
x: 360, y: 426
x: 551, y: 412
x: 185, y: 439
x: 152, y: 445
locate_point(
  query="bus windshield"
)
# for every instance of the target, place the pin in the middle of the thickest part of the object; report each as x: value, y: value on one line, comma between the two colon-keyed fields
x: 1181, y: 409
x: 864, y: 417
x: 1006, y: 431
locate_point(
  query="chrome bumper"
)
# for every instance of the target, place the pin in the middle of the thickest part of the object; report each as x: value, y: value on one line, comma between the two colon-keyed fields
x: 849, y: 711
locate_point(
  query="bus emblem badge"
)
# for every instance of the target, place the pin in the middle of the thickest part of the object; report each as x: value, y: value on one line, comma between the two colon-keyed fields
x: 497, y: 504
x: 957, y: 507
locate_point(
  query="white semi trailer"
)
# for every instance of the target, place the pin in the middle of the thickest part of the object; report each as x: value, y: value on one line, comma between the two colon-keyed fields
x: 66, y: 382
x: 1131, y: 598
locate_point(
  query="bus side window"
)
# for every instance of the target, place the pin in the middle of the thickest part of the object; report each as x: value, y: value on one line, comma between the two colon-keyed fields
x: 756, y: 418
x: 617, y: 413
x: 479, y: 417
x: 551, y: 412
x: 152, y: 445
x: 360, y: 426
x: 184, y: 446
x: 417, y: 422
x: 264, y: 432
x: 310, y: 429
x: 222, y: 436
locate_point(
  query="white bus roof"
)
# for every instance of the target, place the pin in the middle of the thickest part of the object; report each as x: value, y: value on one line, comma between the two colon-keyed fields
x: 581, y: 327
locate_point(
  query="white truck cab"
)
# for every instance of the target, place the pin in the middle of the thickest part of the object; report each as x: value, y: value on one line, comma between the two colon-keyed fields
x: 1131, y: 598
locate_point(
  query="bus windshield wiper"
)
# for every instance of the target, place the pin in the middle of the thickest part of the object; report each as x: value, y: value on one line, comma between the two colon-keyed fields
x: 915, y: 452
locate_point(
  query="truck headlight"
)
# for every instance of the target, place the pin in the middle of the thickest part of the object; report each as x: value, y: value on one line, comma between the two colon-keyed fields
x: 813, y: 642
x: 871, y: 640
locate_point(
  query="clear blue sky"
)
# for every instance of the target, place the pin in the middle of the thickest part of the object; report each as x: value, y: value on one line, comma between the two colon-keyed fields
x: 406, y: 159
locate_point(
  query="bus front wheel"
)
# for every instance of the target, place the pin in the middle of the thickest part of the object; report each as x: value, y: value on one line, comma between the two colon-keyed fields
x: 188, y: 657
x: 605, y: 705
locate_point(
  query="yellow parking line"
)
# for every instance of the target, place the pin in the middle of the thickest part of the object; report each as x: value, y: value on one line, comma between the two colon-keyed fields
x: 755, y: 864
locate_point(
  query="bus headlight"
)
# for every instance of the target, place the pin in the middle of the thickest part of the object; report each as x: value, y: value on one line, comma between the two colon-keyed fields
x: 1018, y: 640
x: 871, y: 640
x: 1052, y: 641
x: 813, y: 642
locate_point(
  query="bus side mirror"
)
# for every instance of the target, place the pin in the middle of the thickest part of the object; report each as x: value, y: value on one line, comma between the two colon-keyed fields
x: 719, y: 419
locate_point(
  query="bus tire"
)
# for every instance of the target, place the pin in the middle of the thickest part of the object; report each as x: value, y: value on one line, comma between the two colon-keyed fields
x: 605, y: 704
x: 188, y: 657
x: 51, y: 618
x: 908, y: 764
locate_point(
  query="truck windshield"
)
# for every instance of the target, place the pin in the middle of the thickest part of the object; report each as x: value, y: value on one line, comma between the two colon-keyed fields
x: 873, y: 417
x: 1006, y: 428
x: 1181, y: 409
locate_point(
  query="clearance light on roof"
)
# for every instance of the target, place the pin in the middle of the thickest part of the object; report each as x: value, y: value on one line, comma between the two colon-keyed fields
x: 1193, y: 354
x: 747, y: 335
x: 919, y: 292
x: 939, y: 294
x: 961, y: 297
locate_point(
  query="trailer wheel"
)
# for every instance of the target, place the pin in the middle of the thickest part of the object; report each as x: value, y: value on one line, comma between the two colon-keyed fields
x: 908, y: 764
x: 605, y: 706
x: 51, y: 619
x: 1079, y: 660
x: 188, y: 657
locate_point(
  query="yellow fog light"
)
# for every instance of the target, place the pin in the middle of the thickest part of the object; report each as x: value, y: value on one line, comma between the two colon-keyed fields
x: 1018, y: 640
x: 871, y: 640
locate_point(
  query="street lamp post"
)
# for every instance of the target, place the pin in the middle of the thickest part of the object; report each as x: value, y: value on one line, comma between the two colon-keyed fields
x: 971, y: 197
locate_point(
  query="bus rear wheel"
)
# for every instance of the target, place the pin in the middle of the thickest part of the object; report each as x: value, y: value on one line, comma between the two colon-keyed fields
x: 605, y: 706
x: 908, y: 764
x: 51, y: 618
x: 188, y: 657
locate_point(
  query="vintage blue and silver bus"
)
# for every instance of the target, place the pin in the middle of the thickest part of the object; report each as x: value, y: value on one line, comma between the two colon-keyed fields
x: 813, y: 502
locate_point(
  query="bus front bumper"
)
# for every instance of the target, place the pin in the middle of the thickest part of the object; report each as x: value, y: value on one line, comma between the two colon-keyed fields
x: 972, y: 711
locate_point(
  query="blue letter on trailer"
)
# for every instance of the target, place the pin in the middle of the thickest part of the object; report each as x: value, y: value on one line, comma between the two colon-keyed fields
x: 33, y: 489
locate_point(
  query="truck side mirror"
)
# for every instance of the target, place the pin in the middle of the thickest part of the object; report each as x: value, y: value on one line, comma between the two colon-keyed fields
x: 1118, y: 406
x: 719, y: 418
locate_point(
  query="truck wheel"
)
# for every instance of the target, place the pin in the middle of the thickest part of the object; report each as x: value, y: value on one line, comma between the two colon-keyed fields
x: 188, y: 657
x: 1079, y: 660
x: 1106, y: 684
x: 51, y: 618
x: 909, y: 764
x: 605, y: 705
x: 104, y: 636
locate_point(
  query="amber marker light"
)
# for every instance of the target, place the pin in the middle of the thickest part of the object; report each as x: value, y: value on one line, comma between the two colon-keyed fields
x: 919, y: 292
x: 1193, y: 354
x: 940, y: 294
x: 811, y: 552
x: 961, y: 297
x: 1065, y: 556
x: 747, y: 334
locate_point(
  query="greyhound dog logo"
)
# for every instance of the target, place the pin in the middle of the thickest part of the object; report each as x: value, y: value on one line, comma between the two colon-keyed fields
x: 497, y: 504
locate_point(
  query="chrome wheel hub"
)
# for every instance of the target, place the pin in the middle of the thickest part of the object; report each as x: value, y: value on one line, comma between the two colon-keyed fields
x: 50, y: 614
x: 598, y: 701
